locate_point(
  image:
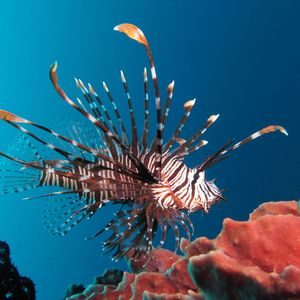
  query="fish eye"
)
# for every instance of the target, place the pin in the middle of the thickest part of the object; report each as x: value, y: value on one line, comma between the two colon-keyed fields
x: 196, y: 176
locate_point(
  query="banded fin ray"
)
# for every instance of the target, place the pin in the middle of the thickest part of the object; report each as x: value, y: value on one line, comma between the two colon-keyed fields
x: 135, y: 33
x: 139, y: 165
x: 170, y: 90
x: 124, y: 138
x: 14, y: 178
x: 134, y: 133
x: 67, y: 154
x: 58, y: 211
x: 220, y: 154
x: 188, y: 106
x: 146, y: 112
x: 100, y: 116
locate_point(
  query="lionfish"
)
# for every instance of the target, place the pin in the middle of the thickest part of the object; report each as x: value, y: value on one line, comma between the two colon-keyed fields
x: 153, y: 186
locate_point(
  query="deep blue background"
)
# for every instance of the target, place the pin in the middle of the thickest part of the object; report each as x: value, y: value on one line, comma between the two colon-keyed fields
x: 238, y: 58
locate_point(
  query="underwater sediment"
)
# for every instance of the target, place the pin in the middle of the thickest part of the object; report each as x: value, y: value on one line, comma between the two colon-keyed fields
x: 257, y: 259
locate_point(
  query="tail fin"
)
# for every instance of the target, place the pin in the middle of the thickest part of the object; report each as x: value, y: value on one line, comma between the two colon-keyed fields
x: 14, y: 177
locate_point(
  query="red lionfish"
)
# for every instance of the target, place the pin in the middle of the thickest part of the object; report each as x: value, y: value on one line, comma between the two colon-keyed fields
x: 150, y: 182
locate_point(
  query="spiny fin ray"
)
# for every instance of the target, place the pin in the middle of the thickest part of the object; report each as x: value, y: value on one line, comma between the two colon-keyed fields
x: 133, y: 32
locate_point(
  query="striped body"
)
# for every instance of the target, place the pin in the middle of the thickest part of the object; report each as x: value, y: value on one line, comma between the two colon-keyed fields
x: 178, y: 188
x: 106, y: 165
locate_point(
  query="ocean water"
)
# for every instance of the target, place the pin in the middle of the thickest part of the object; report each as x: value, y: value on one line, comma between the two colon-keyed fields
x: 238, y: 58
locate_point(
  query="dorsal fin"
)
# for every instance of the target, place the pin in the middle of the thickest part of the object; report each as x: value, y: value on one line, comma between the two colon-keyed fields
x: 220, y: 154
x: 188, y: 106
x: 134, y: 131
x: 146, y: 114
x: 125, y: 138
x: 135, y: 33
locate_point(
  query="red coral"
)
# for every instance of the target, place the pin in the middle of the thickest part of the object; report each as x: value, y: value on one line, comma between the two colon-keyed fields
x: 255, y: 259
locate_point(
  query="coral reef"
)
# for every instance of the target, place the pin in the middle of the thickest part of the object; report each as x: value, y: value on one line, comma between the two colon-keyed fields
x: 74, y: 289
x: 256, y: 259
x: 12, y: 285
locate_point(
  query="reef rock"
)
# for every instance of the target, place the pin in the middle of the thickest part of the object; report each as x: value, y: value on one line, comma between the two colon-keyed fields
x: 258, y: 259
x: 12, y: 285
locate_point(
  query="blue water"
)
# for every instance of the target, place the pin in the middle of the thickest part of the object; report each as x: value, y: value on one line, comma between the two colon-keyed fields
x: 238, y: 58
